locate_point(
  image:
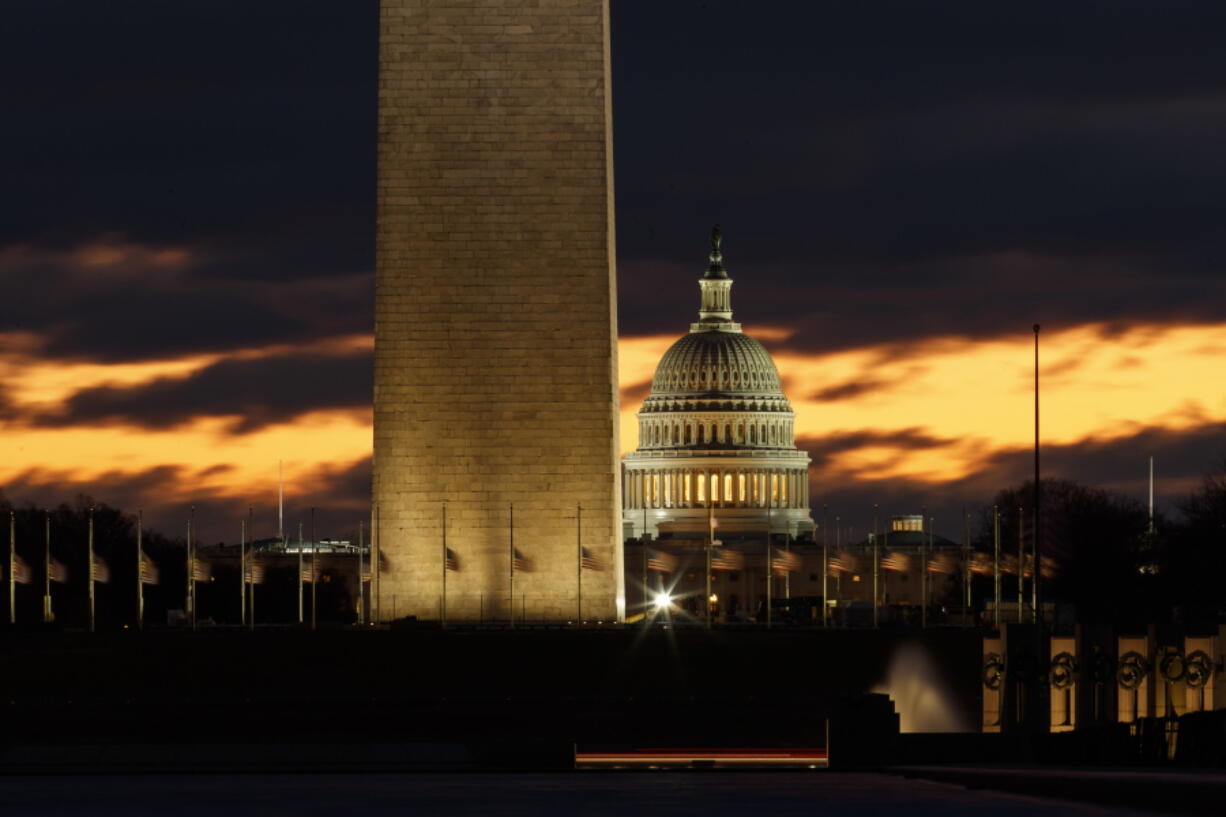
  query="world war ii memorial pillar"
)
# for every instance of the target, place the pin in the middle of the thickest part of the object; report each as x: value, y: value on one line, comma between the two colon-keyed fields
x: 495, y: 403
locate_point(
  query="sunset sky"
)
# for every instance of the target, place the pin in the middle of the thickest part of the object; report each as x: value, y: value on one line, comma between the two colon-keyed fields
x: 186, y: 241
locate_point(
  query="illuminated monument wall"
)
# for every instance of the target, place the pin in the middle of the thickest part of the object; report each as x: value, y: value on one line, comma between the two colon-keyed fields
x: 495, y: 325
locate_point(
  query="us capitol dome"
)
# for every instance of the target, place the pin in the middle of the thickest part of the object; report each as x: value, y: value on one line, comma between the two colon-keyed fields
x: 716, y: 437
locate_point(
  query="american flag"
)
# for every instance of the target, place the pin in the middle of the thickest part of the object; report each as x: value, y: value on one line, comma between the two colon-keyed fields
x: 661, y: 562
x: 942, y: 563
x: 21, y: 571
x: 309, y: 573
x: 255, y: 572
x: 727, y: 559
x: 784, y: 561
x: 519, y: 563
x: 101, y: 573
x: 202, y: 571
x: 58, y: 572
x: 452, y: 562
x: 896, y: 562
x: 588, y: 560
x: 842, y: 563
x: 981, y: 564
x: 148, y: 570
x: 1049, y: 567
x: 1008, y: 564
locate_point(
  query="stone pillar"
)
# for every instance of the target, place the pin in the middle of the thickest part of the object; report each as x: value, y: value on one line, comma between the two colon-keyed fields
x: 495, y: 324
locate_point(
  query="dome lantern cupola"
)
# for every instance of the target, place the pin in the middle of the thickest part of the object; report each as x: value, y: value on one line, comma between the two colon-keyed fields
x: 715, y: 312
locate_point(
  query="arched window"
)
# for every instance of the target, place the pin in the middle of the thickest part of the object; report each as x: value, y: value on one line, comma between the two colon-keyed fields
x: 753, y: 435
x: 687, y: 433
x: 727, y: 432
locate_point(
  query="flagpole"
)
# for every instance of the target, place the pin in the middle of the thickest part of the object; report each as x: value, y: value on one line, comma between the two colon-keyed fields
x: 187, y: 585
x: 48, y: 613
x: 300, y: 616
x: 12, y: 566
x: 1037, y: 532
x: 769, y: 566
x: 361, y: 584
x: 443, y: 605
x: 280, y: 503
x: 876, y: 567
x: 643, y: 542
x: 242, y: 574
x: 1021, y: 562
x: 966, y: 557
x: 710, y: 545
x: 996, y: 567
x: 579, y: 565
x: 314, y: 566
x: 376, y: 607
x: 90, y: 546
x: 191, y: 567
x: 511, y: 545
x: 838, y: 547
x: 140, y: 561
x: 885, y: 580
x: 249, y: 610
x: 923, y: 569
x: 787, y: 550
x: 825, y: 570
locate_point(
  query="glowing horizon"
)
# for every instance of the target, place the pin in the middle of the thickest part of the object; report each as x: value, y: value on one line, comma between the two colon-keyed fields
x: 964, y: 400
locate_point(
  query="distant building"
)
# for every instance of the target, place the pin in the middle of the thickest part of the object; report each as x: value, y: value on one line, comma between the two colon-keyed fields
x: 906, y: 554
x: 716, y: 435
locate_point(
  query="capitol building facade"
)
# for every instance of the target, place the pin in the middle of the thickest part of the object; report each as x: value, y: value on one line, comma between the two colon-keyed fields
x: 716, y: 439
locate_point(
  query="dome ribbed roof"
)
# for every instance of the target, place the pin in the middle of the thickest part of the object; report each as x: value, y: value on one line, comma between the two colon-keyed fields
x: 715, y: 364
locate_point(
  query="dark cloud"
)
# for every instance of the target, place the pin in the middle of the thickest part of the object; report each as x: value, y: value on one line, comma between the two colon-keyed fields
x: 893, y: 171
x: 337, y: 494
x: 826, y: 446
x: 140, y: 305
x: 254, y: 392
x: 246, y: 126
x: 1121, y: 464
x: 850, y: 389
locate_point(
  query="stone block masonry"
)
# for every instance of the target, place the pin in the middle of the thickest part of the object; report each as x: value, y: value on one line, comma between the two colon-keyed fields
x: 495, y: 322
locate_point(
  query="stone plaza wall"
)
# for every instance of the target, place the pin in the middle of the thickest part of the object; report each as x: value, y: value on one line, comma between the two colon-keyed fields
x: 495, y: 316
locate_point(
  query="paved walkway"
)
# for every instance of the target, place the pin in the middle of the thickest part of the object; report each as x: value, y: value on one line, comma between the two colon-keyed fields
x: 574, y: 794
x: 1171, y: 791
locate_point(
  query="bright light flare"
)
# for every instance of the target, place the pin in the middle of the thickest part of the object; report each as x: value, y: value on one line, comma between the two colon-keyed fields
x: 662, y: 601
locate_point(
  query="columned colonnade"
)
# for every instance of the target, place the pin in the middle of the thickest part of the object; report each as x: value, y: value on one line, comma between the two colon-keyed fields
x: 716, y: 487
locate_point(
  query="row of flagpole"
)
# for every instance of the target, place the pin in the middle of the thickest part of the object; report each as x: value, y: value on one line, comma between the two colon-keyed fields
x: 779, y: 561
x: 516, y: 563
x: 784, y: 562
x: 250, y: 572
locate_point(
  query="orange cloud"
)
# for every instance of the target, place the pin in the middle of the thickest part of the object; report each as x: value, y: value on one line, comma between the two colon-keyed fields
x: 966, y: 400
x: 1099, y: 383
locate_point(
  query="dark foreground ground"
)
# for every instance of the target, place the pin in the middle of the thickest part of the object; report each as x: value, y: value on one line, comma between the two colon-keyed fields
x: 710, y: 794
x: 503, y: 692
